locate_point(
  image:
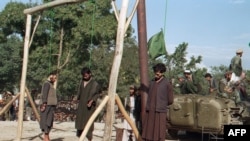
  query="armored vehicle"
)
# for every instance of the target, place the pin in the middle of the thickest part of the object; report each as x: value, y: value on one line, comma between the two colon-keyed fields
x: 205, y: 114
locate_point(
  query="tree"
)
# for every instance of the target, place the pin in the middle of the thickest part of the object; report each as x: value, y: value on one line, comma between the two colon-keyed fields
x: 68, y: 34
x: 177, y: 62
x: 12, y: 20
x: 10, y: 54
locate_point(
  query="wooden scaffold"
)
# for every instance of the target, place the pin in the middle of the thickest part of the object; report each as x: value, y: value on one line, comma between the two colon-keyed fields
x: 123, y: 24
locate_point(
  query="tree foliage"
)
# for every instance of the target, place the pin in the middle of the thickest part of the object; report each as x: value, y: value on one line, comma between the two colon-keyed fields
x: 10, y: 62
x: 72, y: 36
x: 83, y: 32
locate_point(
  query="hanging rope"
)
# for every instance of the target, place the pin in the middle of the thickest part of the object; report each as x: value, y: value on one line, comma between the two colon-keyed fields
x: 92, y: 32
x: 51, y: 14
x: 165, y: 18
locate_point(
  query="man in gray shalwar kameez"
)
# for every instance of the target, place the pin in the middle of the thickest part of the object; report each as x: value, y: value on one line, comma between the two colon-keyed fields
x: 47, y: 109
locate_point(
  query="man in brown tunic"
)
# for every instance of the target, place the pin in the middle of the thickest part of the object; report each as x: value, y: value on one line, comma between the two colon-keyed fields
x: 88, y: 93
x: 160, y: 95
x: 47, y: 109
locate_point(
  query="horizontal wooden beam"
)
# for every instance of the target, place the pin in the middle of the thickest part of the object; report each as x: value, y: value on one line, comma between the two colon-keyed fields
x: 49, y: 5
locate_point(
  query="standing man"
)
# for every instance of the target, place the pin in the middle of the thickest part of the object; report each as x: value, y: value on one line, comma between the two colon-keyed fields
x: 130, y: 108
x: 236, y: 65
x: 87, y: 96
x: 49, y: 102
x: 160, y: 96
x: 137, y: 111
x: 7, y: 99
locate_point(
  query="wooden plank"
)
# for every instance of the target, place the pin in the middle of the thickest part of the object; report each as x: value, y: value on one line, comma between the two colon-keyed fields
x: 23, y: 78
x: 115, y: 71
x: 49, y: 5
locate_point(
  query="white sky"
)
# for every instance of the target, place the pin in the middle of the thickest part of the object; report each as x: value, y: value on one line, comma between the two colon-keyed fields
x: 214, y: 29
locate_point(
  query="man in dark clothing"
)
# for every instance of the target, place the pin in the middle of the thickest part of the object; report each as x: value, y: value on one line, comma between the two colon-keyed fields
x: 137, y: 111
x: 160, y: 96
x: 49, y: 102
x: 88, y: 93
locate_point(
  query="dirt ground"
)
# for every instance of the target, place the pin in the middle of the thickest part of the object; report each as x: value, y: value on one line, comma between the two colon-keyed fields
x: 64, y: 131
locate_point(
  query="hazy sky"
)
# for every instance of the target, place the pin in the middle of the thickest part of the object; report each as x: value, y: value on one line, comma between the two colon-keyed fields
x: 214, y: 29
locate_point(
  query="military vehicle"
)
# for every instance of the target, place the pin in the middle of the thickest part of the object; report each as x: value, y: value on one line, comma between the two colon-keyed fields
x: 205, y: 114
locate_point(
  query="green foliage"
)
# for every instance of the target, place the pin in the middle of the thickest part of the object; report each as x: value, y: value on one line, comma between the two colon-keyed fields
x: 177, y: 62
x: 218, y: 71
x: 129, y: 70
x: 247, y: 81
x: 10, y: 62
x: 12, y: 20
x: 86, y: 27
x: 86, y: 33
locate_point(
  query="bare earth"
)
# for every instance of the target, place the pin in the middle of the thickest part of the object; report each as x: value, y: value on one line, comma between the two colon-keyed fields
x: 62, y: 131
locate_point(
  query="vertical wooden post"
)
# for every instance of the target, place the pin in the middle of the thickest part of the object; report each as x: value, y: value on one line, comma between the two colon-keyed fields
x: 115, y: 71
x: 33, y: 105
x: 8, y: 105
x: 23, y: 78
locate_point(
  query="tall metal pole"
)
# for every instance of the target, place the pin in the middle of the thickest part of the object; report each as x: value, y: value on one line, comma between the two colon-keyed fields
x: 143, y: 56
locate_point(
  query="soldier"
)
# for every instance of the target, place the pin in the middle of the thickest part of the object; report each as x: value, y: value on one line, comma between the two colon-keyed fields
x: 191, y: 84
x: 181, y: 84
x: 211, y: 83
x: 229, y: 87
x: 236, y: 64
x: 223, y: 89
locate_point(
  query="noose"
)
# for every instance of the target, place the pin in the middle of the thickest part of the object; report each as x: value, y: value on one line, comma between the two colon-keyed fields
x: 92, y: 32
x: 51, y: 14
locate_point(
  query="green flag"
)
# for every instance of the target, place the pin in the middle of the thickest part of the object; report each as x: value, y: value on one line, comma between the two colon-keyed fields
x: 156, y: 45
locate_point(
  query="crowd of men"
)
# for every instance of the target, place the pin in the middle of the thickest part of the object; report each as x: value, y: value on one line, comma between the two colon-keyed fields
x: 230, y: 86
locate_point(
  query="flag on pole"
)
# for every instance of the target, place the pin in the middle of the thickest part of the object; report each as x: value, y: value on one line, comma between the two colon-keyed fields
x: 156, y: 45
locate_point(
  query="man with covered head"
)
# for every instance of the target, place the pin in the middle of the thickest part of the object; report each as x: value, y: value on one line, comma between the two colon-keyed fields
x: 192, y: 85
x: 236, y: 64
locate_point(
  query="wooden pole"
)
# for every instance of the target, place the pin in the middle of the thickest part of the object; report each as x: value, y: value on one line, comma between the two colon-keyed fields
x: 34, y: 108
x: 115, y: 71
x: 7, y: 106
x: 23, y: 78
x: 130, y: 17
x: 126, y: 116
x: 49, y: 5
x: 93, y: 117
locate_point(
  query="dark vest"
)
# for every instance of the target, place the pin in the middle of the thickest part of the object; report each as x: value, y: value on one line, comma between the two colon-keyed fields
x: 52, y: 98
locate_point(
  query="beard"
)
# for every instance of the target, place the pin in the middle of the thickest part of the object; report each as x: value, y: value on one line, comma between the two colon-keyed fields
x: 86, y: 79
x: 158, y: 78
